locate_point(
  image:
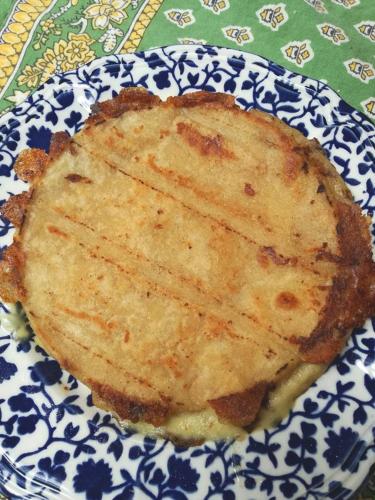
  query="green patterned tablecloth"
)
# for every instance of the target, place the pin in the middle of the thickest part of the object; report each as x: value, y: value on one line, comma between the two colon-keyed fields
x: 330, y: 40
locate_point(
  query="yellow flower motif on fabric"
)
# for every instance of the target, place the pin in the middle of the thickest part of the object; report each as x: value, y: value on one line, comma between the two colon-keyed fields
x: 30, y: 76
x: 215, y: 6
x: 318, y: 5
x: 238, y: 34
x: 16, y: 34
x: 298, y: 52
x: 348, y: 4
x: 64, y: 56
x: 333, y: 33
x: 6, y: 66
x: 369, y: 107
x: 362, y: 70
x: 53, y: 61
x: 142, y: 19
x: 366, y: 29
x: 272, y: 15
x: 102, y: 12
x: 78, y: 49
x: 48, y: 27
x: 180, y: 17
x: 192, y: 41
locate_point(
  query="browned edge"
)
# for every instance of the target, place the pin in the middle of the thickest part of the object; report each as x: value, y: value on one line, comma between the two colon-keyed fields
x: 347, y: 306
x: 130, y: 408
x: 11, y: 270
x: 241, y: 408
x: 351, y: 299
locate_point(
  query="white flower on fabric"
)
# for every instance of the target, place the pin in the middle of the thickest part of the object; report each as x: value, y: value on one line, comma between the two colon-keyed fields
x: 362, y: 70
x: 215, y: 6
x: 272, y: 15
x: 104, y: 11
x: 333, y: 33
x: 180, y: 17
x: 369, y: 107
x: 366, y: 29
x: 109, y: 38
x: 18, y: 96
x: 298, y: 52
x: 238, y: 34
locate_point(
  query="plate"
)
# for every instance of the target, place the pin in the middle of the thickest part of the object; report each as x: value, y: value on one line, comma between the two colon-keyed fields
x: 55, y: 444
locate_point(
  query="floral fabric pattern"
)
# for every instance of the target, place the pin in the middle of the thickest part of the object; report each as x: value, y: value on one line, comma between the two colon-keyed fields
x: 103, y: 11
x: 328, y: 40
x: 334, y: 43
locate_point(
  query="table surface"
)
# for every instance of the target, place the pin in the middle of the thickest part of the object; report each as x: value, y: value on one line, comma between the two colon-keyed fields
x: 330, y: 40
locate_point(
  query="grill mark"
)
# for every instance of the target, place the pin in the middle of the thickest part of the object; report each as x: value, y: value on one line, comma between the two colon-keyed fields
x: 165, y: 292
x: 222, y: 124
x: 168, y: 195
x: 217, y: 319
x: 93, y: 318
x: 186, y: 182
x: 78, y: 178
x: 222, y: 224
x: 182, y: 278
x: 205, y: 144
x: 194, y: 210
x: 252, y: 116
x: 177, y: 201
x: 295, y: 260
x: 183, y: 181
x: 141, y: 256
x: 56, y: 231
x: 109, y: 362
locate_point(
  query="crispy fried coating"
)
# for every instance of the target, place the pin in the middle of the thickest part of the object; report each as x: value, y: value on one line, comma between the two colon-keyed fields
x: 183, y: 255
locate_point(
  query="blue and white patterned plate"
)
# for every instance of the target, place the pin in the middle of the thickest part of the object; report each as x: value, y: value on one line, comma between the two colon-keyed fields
x: 55, y: 444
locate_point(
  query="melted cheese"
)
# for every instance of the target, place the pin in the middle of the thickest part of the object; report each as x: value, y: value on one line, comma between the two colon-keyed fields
x: 190, y: 427
x: 206, y: 426
x: 281, y: 399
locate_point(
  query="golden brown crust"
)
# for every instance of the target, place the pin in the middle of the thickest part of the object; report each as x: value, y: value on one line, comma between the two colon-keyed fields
x: 206, y: 145
x: 11, y: 270
x: 130, y: 99
x: 59, y: 143
x: 136, y: 99
x: 31, y: 164
x: 241, y: 408
x: 206, y: 99
x: 352, y: 295
x: 15, y: 208
x: 130, y: 408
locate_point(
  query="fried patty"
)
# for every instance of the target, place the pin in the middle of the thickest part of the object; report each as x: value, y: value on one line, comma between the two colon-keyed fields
x: 186, y: 255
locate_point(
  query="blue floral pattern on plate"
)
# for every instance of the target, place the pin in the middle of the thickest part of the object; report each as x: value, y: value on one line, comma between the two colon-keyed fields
x: 55, y: 444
